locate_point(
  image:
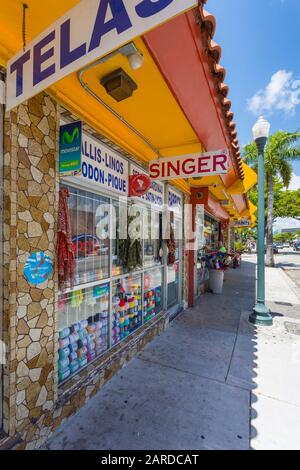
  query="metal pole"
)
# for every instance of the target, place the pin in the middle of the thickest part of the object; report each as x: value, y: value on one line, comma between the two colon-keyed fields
x: 261, y: 314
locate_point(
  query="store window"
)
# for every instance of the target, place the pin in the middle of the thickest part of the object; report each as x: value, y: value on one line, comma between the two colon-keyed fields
x: 127, y: 248
x: 119, y: 275
x: 153, y: 293
x: 83, y: 328
x: 153, y: 254
x: 126, y: 307
x: 91, y: 248
x: 173, y: 268
x: 211, y: 233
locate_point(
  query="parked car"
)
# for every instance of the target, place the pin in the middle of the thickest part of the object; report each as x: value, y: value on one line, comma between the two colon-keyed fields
x: 286, y: 245
x: 279, y: 246
x: 297, y: 246
x: 275, y: 249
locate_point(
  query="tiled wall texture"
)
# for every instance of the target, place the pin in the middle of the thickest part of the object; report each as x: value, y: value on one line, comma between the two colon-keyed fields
x: 29, y: 216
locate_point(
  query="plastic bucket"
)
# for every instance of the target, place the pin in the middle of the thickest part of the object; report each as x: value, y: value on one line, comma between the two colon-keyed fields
x: 216, y: 279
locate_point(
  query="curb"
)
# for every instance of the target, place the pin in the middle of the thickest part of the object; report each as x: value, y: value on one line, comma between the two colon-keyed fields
x: 294, y: 286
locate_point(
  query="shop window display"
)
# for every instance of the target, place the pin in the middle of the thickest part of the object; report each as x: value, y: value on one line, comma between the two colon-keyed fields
x: 119, y: 276
x: 173, y: 264
x: 153, y: 252
x: 83, y: 328
x: 211, y: 233
x: 126, y: 307
x: 127, y: 247
x: 152, y: 293
x: 91, y: 248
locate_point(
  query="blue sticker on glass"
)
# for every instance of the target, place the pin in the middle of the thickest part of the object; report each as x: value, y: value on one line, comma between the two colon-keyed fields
x: 38, y: 268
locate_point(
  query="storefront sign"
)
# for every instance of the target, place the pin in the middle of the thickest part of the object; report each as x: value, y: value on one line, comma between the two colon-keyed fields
x: 101, y: 291
x: 70, y: 141
x: 175, y: 201
x: 38, y: 268
x: 190, y: 166
x: 242, y: 223
x: 155, y: 195
x: 88, y: 31
x: 139, y: 185
x: 102, y: 168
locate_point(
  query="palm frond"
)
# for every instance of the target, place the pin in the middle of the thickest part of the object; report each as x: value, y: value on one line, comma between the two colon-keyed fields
x: 286, y: 171
x: 250, y: 154
x: 289, y: 154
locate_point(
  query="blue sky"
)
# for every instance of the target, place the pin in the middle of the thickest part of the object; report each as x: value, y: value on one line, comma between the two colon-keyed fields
x: 260, y: 44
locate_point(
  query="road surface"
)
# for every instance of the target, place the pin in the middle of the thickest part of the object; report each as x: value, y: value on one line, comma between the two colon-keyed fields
x: 289, y: 261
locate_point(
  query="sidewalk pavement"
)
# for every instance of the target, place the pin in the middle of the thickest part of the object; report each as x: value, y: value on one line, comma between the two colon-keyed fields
x: 210, y: 381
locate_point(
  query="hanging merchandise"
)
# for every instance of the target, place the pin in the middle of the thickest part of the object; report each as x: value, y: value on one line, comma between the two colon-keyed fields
x: 65, y: 252
x: 171, y: 241
x: 130, y: 250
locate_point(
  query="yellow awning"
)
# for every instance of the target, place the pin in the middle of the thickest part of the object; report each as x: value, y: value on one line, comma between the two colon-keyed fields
x: 243, y: 186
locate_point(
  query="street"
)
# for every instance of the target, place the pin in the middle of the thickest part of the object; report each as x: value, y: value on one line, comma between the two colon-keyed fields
x: 210, y: 381
x: 289, y: 260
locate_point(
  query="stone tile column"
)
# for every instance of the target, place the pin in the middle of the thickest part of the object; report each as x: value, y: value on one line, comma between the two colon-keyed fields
x: 30, y: 215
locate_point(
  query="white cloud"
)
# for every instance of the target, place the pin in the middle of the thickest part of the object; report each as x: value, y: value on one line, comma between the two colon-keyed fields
x: 295, y: 182
x: 281, y: 94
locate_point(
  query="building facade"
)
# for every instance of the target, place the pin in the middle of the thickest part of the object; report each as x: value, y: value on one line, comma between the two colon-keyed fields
x: 63, y: 343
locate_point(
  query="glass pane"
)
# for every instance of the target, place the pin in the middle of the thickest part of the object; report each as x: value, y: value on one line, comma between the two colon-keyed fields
x: 152, y: 238
x: 127, y: 243
x: 178, y: 236
x: 83, y: 317
x: 90, y: 235
x: 173, y: 284
x: 153, y: 292
x: 126, y: 307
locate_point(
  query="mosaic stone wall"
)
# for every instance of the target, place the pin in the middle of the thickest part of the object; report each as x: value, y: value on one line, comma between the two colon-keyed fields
x: 30, y: 212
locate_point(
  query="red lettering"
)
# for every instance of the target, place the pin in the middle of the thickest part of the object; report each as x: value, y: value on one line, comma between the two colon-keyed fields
x: 175, y: 169
x: 154, y: 170
x: 220, y: 160
x: 163, y: 169
x: 191, y: 169
x: 203, y: 162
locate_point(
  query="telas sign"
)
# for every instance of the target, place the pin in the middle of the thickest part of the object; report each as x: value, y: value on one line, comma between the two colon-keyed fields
x: 90, y: 30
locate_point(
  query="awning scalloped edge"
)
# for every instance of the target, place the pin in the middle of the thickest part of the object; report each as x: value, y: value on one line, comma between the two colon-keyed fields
x: 214, y: 51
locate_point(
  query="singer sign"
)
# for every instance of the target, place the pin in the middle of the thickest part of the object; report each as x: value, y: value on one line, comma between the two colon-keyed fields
x: 87, y: 32
x: 190, y: 166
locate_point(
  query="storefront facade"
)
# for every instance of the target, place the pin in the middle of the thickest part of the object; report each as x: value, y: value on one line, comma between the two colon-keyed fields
x: 63, y: 345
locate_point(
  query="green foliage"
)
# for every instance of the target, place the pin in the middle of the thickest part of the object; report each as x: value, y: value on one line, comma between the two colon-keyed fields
x: 286, y: 203
x: 281, y: 150
x: 284, y: 237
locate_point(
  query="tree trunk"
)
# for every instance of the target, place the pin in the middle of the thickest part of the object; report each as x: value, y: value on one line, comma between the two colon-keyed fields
x: 269, y: 231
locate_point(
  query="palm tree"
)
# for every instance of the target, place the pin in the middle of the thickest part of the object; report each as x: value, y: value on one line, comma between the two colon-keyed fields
x: 281, y: 150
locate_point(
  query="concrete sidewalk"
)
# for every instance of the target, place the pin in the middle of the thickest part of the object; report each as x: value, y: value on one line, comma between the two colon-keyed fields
x: 211, y: 381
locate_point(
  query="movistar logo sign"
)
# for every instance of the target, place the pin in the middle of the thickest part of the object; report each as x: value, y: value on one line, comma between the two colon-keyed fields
x: 69, y: 138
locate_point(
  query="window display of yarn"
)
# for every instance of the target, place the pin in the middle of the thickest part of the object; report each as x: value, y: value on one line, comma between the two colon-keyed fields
x: 86, y: 338
x: 152, y: 303
x: 127, y: 308
x: 152, y: 294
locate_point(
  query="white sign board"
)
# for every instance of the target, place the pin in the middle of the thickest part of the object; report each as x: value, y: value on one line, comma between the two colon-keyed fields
x: 87, y: 32
x: 242, y: 223
x: 101, y: 168
x: 175, y: 201
x: 156, y: 194
x: 190, y: 166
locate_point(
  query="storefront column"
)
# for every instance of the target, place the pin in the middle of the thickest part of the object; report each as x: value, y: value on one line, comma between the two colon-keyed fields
x: 30, y: 214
